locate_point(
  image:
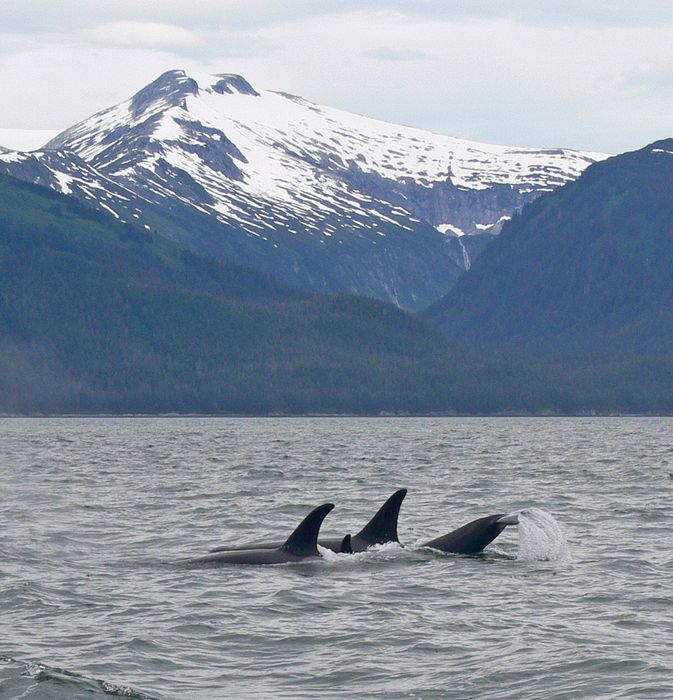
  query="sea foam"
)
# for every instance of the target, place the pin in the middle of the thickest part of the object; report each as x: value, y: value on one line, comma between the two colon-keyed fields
x: 541, y: 538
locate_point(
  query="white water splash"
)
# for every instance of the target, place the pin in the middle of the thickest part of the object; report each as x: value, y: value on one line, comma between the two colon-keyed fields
x: 330, y: 556
x: 389, y: 550
x: 541, y: 537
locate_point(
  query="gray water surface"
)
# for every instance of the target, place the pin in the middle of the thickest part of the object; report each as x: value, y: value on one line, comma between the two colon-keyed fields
x: 95, y: 513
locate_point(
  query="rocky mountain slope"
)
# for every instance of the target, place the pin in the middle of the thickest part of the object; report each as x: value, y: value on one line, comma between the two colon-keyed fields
x: 323, y: 199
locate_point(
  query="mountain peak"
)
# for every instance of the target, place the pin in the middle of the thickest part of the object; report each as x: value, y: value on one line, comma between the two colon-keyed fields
x: 171, y: 88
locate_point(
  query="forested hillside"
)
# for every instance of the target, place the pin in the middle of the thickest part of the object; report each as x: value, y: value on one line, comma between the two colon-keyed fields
x: 584, y: 270
x: 101, y: 316
x: 580, y: 286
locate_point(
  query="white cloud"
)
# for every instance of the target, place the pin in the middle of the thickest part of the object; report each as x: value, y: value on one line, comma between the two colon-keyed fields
x: 519, y: 72
x: 141, y: 35
x: 43, y: 15
x: 386, y: 53
x: 26, y: 139
x: 50, y: 87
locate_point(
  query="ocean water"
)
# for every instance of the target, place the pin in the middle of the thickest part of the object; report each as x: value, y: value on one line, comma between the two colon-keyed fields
x: 96, y: 513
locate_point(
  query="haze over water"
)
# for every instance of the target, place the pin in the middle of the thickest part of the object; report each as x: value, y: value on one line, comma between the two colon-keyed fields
x: 97, y: 511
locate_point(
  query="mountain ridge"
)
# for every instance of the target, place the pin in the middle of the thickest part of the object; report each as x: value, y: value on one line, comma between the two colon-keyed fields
x: 323, y: 199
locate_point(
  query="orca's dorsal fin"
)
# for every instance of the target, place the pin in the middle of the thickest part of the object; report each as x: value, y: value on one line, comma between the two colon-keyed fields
x: 304, y: 540
x: 346, y: 547
x: 382, y: 527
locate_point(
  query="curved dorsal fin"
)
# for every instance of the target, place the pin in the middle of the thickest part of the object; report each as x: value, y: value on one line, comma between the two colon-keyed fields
x: 383, y: 526
x: 346, y: 547
x: 303, y: 541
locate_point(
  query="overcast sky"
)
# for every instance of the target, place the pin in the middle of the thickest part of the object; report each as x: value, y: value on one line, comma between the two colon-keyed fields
x: 594, y: 75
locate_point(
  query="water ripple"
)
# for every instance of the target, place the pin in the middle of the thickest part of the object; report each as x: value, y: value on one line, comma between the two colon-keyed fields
x: 97, y: 511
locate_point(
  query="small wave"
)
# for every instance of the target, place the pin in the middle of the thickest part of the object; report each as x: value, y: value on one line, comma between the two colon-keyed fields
x: 331, y: 558
x: 32, y: 679
x: 541, y: 538
x: 376, y: 554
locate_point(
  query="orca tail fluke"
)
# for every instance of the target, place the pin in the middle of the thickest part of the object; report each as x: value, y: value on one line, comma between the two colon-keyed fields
x: 304, y: 540
x: 346, y: 547
x: 382, y: 527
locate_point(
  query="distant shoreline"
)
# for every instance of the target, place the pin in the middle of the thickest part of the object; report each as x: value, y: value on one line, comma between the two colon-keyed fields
x: 336, y: 415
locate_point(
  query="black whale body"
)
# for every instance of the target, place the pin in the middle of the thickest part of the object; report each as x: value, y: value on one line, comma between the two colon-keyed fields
x: 472, y: 537
x: 300, y: 545
x: 380, y: 529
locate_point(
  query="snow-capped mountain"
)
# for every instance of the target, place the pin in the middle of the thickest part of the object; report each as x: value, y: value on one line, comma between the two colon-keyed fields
x: 320, y: 197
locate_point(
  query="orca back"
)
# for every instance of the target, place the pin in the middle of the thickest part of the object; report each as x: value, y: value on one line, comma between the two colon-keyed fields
x: 470, y: 538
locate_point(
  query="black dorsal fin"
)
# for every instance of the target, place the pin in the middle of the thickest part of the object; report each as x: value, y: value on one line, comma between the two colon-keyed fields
x: 304, y: 540
x: 382, y: 527
x: 346, y: 547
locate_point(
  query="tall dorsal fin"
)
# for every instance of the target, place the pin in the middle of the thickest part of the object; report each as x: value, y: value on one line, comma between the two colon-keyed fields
x: 304, y: 540
x: 383, y: 526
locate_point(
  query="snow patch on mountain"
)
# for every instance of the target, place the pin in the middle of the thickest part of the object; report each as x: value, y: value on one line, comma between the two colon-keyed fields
x: 320, y: 197
x: 450, y: 228
x: 251, y: 151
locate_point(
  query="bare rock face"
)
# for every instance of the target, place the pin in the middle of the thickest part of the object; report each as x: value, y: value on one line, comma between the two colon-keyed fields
x: 321, y: 198
x: 230, y: 83
x: 169, y: 90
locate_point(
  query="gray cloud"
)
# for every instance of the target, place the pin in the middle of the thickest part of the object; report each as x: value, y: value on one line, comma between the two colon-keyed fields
x: 385, y: 53
x: 525, y: 72
x: 653, y: 80
x: 201, y: 45
x: 601, y: 13
x: 72, y: 15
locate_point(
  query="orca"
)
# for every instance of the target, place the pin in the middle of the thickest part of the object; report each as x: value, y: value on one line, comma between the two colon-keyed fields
x: 380, y: 529
x: 300, y: 545
x: 472, y: 537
